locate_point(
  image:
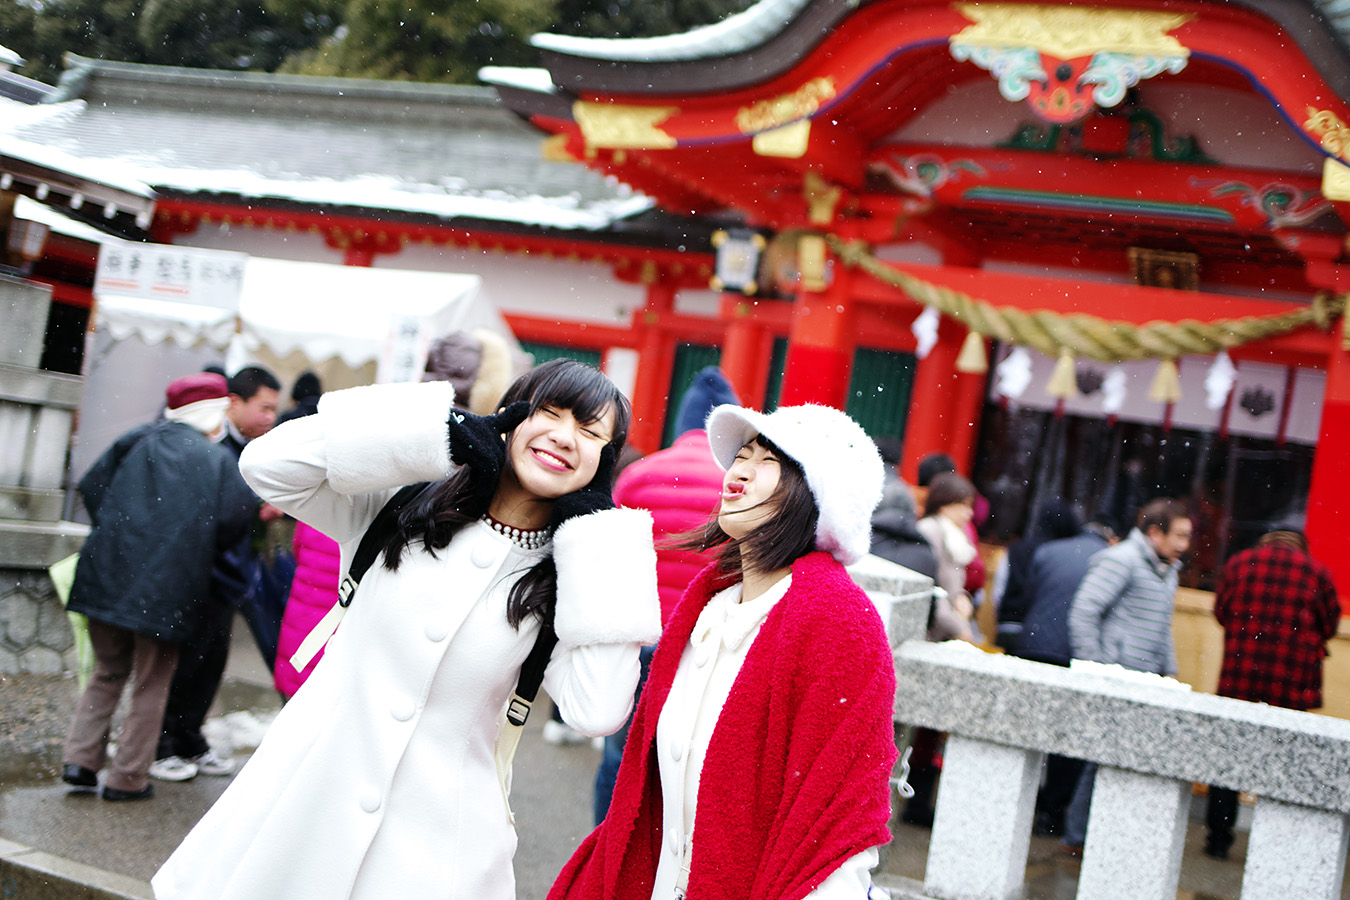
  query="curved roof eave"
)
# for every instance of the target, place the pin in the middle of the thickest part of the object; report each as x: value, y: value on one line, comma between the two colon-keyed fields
x: 770, y: 37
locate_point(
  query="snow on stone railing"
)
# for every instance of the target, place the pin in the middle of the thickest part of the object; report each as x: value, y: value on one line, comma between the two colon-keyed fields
x: 1153, y: 741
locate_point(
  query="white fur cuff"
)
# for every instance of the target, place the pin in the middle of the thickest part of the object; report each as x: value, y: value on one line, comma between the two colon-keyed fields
x: 607, y: 579
x: 386, y: 435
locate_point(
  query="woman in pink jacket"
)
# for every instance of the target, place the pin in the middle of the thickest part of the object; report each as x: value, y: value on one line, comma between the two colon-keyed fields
x: 313, y: 593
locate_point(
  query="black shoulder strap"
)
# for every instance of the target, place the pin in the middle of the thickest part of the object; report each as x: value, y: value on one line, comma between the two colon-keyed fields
x: 532, y: 674
x: 373, y: 541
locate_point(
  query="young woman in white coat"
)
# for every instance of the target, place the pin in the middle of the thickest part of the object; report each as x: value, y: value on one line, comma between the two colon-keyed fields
x: 380, y: 778
x: 758, y: 763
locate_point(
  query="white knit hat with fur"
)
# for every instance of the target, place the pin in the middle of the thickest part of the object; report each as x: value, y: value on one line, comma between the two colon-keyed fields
x: 842, y: 466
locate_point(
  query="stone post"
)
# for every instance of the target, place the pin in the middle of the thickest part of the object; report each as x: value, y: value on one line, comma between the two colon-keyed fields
x: 982, y: 829
x: 1294, y: 851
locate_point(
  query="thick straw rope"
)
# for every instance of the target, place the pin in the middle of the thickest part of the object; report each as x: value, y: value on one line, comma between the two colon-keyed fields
x: 1090, y: 336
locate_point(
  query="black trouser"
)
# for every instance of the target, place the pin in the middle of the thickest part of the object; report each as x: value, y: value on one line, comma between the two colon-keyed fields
x: 201, y: 665
x: 1061, y: 777
x: 1220, y: 817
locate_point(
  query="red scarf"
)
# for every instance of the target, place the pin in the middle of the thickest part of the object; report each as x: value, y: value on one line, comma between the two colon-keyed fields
x: 797, y: 775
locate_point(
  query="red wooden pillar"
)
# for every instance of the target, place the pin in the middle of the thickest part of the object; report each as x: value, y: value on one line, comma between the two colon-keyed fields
x: 967, y: 410
x: 934, y: 407
x: 1328, y: 528
x: 944, y: 405
x: 745, y: 346
x: 656, y: 356
x: 820, y: 345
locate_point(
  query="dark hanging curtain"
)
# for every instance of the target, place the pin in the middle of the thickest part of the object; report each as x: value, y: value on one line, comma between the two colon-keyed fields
x: 1236, y: 486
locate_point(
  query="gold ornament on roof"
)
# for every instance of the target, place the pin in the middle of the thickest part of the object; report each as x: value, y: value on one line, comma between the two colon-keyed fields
x: 1069, y: 32
x: 781, y: 110
x: 1335, y: 180
x: 618, y: 126
x: 1334, y: 134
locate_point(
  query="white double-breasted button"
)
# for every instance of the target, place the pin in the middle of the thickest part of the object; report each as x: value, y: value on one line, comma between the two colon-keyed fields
x: 674, y: 841
x: 402, y: 709
x: 702, y: 655
x: 369, y: 799
x: 483, y: 556
x: 437, y: 631
x: 676, y: 750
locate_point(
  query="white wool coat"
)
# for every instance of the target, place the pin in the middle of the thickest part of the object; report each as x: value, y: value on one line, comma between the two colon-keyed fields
x: 379, y: 779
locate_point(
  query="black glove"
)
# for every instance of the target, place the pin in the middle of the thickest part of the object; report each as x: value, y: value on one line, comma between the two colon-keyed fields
x: 593, y: 497
x: 476, y: 442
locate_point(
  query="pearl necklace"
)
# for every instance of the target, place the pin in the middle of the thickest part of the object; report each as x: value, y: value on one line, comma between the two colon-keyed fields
x: 524, y: 538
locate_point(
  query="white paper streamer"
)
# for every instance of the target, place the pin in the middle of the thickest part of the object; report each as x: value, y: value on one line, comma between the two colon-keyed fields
x: 925, y: 329
x: 1113, y: 390
x: 1219, y: 381
x: 1014, y: 373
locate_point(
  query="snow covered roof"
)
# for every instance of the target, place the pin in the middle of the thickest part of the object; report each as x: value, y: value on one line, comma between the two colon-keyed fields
x: 765, y: 40
x: 59, y: 223
x: 734, y: 34
x: 447, y: 151
x: 763, y: 21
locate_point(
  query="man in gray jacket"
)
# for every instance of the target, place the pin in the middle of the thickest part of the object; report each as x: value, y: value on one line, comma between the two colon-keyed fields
x: 1122, y: 614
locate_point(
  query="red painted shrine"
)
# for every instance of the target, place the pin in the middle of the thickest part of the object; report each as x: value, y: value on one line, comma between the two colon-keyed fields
x: 1053, y: 177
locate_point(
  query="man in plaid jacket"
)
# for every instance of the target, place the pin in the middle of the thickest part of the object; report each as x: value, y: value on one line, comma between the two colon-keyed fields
x: 1278, y: 608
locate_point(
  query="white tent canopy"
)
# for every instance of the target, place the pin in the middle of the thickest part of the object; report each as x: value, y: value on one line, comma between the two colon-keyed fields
x: 319, y: 310
x: 352, y: 325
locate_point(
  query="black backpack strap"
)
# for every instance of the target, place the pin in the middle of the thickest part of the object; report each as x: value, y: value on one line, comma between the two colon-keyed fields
x: 532, y: 675
x: 374, y: 540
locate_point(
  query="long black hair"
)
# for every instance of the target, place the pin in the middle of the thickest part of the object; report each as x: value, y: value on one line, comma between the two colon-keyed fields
x: 438, y: 513
x: 777, y: 543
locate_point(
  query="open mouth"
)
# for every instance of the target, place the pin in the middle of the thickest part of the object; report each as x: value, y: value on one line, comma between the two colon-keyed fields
x: 550, y: 461
x: 733, y: 490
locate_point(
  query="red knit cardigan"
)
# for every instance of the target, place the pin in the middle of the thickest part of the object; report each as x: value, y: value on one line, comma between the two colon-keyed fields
x: 796, y: 778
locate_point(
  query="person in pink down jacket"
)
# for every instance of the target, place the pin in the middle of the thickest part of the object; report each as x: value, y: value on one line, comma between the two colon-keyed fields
x: 313, y: 593
x: 681, y: 486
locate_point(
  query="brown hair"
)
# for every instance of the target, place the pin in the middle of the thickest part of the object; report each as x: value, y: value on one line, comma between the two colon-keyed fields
x: 1160, y: 514
x: 946, y: 489
x: 776, y: 544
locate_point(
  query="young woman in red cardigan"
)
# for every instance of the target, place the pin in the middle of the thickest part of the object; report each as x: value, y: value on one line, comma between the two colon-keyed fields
x: 759, y: 759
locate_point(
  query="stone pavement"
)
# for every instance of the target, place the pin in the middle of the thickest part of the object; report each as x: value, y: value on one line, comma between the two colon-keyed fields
x: 119, y: 846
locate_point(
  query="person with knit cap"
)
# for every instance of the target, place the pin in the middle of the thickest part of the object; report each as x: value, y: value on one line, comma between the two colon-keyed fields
x: 305, y: 394
x: 163, y: 500
x: 682, y: 487
x: 388, y: 774
x: 760, y: 755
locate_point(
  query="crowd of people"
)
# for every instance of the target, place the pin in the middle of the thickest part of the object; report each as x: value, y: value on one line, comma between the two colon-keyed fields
x: 460, y: 541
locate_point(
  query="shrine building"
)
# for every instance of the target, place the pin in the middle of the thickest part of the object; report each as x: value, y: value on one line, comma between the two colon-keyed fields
x: 1095, y: 251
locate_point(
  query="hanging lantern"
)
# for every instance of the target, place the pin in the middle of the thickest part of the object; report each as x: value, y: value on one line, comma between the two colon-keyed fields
x: 925, y: 330
x: 1166, y: 387
x: 1064, y: 381
x: 972, y: 357
x: 1014, y: 373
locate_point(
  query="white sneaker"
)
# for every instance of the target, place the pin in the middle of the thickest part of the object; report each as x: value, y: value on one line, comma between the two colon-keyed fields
x: 562, y: 733
x: 210, y: 764
x: 173, y: 768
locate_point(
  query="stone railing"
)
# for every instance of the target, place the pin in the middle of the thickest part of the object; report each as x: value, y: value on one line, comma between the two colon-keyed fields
x: 1152, y: 741
x: 37, y: 411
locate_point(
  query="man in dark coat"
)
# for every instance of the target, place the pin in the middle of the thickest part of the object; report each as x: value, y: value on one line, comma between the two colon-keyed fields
x: 1278, y: 608
x: 183, y: 751
x: 1056, y: 570
x: 163, y: 500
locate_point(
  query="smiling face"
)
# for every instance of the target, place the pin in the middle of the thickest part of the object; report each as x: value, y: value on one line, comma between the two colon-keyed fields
x: 554, y: 453
x: 747, y: 490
